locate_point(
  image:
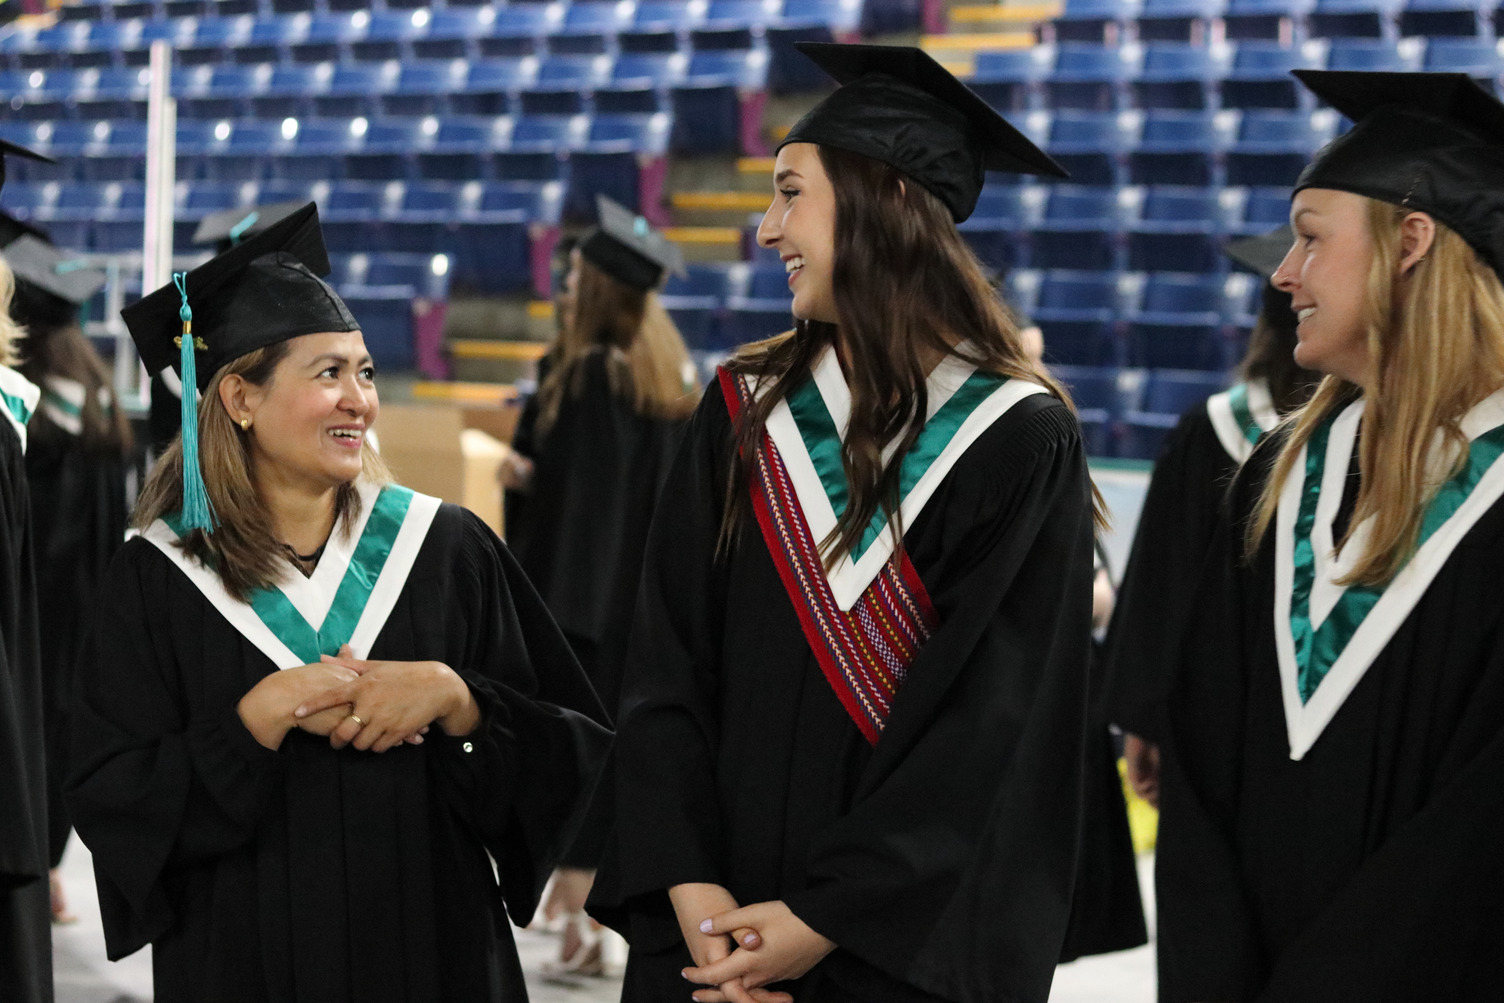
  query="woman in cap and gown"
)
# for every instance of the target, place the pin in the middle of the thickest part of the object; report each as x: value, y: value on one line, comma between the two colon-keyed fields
x: 1336, y: 735
x: 1191, y: 477
x: 327, y: 739
x: 849, y: 755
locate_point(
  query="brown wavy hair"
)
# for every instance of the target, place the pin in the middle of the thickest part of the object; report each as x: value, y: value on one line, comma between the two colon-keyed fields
x: 903, y: 279
x: 243, y: 549
x: 649, y: 359
x: 1436, y: 338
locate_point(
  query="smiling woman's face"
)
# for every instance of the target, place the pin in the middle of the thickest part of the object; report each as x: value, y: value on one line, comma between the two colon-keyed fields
x: 1326, y: 275
x: 309, y: 421
x: 801, y: 226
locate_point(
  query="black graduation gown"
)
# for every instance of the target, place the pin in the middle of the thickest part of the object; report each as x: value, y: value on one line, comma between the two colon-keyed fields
x: 312, y: 875
x: 25, y: 915
x: 1175, y: 528
x: 1369, y: 869
x: 78, y: 519
x: 941, y: 860
x: 525, y: 443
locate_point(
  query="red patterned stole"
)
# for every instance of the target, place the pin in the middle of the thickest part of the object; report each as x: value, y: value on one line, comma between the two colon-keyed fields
x: 865, y: 652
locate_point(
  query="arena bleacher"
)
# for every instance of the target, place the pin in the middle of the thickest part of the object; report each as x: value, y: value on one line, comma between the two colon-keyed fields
x: 449, y: 147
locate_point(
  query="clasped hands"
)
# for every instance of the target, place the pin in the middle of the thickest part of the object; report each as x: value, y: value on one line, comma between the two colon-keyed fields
x: 370, y: 705
x: 739, y: 951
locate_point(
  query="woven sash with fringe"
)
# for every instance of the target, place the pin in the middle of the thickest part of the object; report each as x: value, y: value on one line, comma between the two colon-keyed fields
x: 865, y: 652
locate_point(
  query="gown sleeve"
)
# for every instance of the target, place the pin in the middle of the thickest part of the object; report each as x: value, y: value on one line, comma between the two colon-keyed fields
x: 521, y: 780
x: 953, y: 869
x: 1175, y: 528
x: 151, y: 786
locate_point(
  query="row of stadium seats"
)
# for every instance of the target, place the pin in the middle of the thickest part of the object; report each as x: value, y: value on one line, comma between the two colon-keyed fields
x: 1199, y: 20
x: 1224, y: 75
x: 714, y: 87
x: 1126, y: 412
x: 496, y: 236
x: 363, y: 36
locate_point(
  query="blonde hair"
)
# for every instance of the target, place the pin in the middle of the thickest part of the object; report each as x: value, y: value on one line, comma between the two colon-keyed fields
x: 11, y: 333
x: 652, y: 361
x: 243, y: 549
x: 1436, y: 343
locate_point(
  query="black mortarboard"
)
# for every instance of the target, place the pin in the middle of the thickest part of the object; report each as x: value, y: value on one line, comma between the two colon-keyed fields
x: 627, y: 248
x: 229, y: 227
x: 1262, y: 254
x: 54, y: 272
x: 262, y: 291
x: 11, y: 228
x: 9, y: 148
x: 899, y: 106
x: 1433, y: 142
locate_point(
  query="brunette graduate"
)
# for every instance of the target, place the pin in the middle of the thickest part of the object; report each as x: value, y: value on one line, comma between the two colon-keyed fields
x: 318, y: 706
x: 1191, y: 477
x: 25, y: 931
x: 850, y: 748
x: 77, y: 445
x: 610, y: 411
x: 1336, y: 736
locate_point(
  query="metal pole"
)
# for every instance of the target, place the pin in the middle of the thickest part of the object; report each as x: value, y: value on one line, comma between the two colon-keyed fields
x: 161, y: 174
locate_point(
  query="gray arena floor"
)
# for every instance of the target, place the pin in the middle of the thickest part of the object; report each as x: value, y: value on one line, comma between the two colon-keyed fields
x: 84, y: 976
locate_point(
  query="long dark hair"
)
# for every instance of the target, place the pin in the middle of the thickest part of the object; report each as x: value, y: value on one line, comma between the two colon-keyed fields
x: 57, y: 346
x: 903, y: 278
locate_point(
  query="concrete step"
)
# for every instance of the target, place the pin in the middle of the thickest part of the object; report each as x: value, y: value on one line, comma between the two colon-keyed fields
x: 994, y: 17
x: 707, y: 243
x: 493, y: 361
x: 723, y: 208
x: 957, y: 52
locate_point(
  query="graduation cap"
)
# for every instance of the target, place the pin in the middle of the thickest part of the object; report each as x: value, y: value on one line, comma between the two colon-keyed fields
x: 11, y: 228
x: 228, y: 227
x: 1262, y: 254
x: 1432, y: 142
x: 260, y: 292
x: 57, y: 273
x: 897, y: 105
x: 7, y: 148
x: 627, y: 248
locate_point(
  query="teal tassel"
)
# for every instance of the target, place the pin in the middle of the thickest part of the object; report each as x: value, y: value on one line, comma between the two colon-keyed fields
x: 197, y: 512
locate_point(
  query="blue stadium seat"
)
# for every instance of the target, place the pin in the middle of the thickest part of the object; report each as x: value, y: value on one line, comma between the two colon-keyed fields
x: 326, y: 39
x: 489, y: 86
x: 1080, y: 229
x: 1181, y: 147
x: 462, y: 148
x: 1265, y: 209
x: 451, y: 32
x: 224, y: 91
x: 518, y: 29
x: 178, y: 33
x: 1479, y: 57
x: 1092, y: 145
x: 388, y: 147
x: 1167, y: 394
x: 997, y: 230
x: 590, y: 26
x: 1269, y: 20
x: 1010, y: 79
x: 1260, y: 75
x: 119, y: 226
x: 290, y: 89
x: 1354, y: 19
x: 1179, y: 75
x: 493, y: 250
x: 354, y: 215
x: 640, y: 82
x: 356, y: 89
x: 214, y: 38
x: 423, y: 88
x: 1188, y: 21
x: 105, y: 42
x: 1095, y: 21
x: 1181, y: 229
x: 707, y: 105
x: 1274, y: 146
x: 388, y: 34
x: 1078, y: 313
x: 1441, y: 18
x: 789, y: 70
x: 534, y: 148
x: 1182, y: 321
x: 564, y: 84
x: 316, y: 151
x: 1375, y: 54
x: 1100, y: 398
x: 111, y: 92
x: 1092, y: 77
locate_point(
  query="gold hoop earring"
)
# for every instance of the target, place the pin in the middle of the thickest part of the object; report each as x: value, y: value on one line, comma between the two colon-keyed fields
x: 245, y: 424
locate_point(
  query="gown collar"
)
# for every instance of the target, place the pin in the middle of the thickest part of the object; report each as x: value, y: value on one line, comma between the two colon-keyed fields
x: 1326, y: 634
x: 348, y: 597
x: 18, y: 400
x: 809, y: 425
x: 1241, y: 415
